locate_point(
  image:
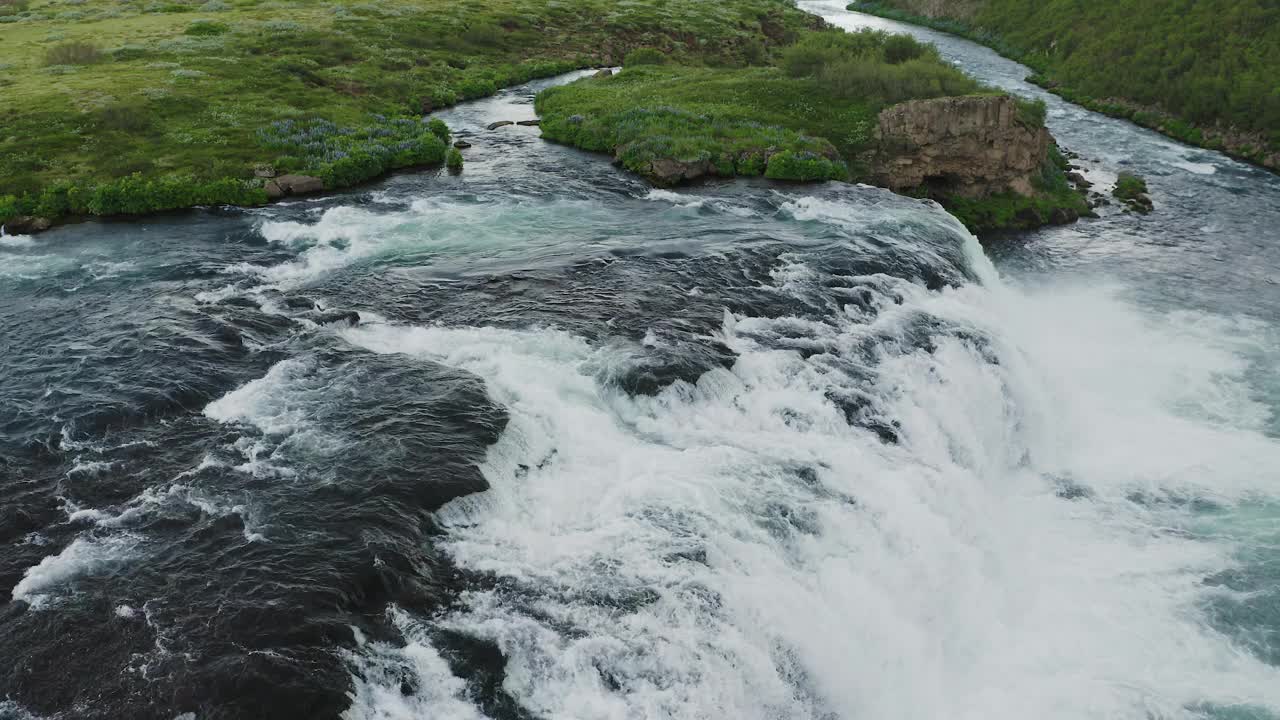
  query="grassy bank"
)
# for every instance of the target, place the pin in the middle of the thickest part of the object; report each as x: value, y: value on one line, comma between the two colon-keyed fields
x: 117, y: 107
x: 1203, y: 73
x: 808, y: 113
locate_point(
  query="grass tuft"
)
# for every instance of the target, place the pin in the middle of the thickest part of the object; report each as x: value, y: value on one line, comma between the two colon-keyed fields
x: 73, y: 53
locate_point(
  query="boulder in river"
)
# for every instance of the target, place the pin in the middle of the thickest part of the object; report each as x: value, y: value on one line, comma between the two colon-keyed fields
x: 669, y: 171
x: 529, y: 123
x: 27, y: 225
x: 500, y: 123
x: 287, y: 185
x: 1079, y: 180
x: 341, y: 317
x: 462, y: 144
x: 603, y: 73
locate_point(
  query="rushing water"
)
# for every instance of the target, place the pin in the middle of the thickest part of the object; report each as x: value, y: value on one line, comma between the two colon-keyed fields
x: 537, y: 441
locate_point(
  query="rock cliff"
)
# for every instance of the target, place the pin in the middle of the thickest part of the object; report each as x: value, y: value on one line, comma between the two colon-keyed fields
x: 968, y: 147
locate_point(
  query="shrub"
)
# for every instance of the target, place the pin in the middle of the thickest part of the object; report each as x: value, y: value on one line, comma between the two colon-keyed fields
x: 750, y: 164
x: 484, y: 36
x: 288, y: 164
x: 871, y: 80
x: 344, y: 156
x: 59, y: 199
x: 1129, y: 186
x: 1032, y: 113
x: 437, y: 127
x: 128, y: 52
x: 75, y: 52
x: 805, y: 166
x: 206, y: 27
x: 901, y: 48
x: 814, y: 51
x: 644, y: 56
x: 132, y: 117
x: 8, y: 207
x: 475, y: 87
x: 135, y: 194
x: 13, y: 7
x: 454, y: 159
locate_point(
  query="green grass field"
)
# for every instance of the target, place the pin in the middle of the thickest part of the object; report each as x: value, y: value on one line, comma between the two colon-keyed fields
x: 103, y: 92
x: 806, y: 114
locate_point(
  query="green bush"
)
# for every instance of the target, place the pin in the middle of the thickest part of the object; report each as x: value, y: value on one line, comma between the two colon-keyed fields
x: 130, y: 116
x: 875, y: 66
x: 437, y: 127
x: 473, y: 87
x: 454, y: 159
x: 75, y: 52
x: 644, y: 56
x: 702, y: 116
x: 1129, y: 186
x: 132, y: 195
x: 805, y: 166
x: 288, y: 164
x: 9, y: 207
x: 901, y: 48
x: 206, y: 27
x: 136, y: 194
x: 352, y: 169
x: 815, y: 51
x: 345, y: 156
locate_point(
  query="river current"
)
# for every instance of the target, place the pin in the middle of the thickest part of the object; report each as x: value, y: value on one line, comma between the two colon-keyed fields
x: 540, y: 441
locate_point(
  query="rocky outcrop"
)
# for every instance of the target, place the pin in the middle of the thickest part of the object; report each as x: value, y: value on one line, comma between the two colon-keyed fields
x: 971, y: 146
x: 667, y: 172
x: 287, y: 185
x: 26, y: 225
x: 496, y: 125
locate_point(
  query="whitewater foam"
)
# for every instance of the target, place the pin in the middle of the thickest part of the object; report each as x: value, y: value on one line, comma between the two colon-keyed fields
x: 84, y: 556
x: 734, y: 548
x: 17, y: 241
x: 379, y: 672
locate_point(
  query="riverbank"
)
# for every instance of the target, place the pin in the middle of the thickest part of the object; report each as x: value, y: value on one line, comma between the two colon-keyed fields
x: 834, y: 106
x: 1063, y: 65
x: 126, y: 109
x: 339, y: 96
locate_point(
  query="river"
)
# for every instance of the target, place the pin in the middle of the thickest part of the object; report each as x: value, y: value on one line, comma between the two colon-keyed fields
x: 539, y: 441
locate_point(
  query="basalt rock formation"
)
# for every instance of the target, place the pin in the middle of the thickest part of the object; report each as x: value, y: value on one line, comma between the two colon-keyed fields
x: 969, y: 147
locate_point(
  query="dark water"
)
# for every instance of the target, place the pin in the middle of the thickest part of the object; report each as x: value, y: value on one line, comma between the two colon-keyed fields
x: 538, y: 441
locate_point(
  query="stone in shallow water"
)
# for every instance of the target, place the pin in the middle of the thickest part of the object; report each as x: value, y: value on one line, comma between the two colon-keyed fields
x: 500, y: 123
x: 26, y: 225
x: 286, y: 185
